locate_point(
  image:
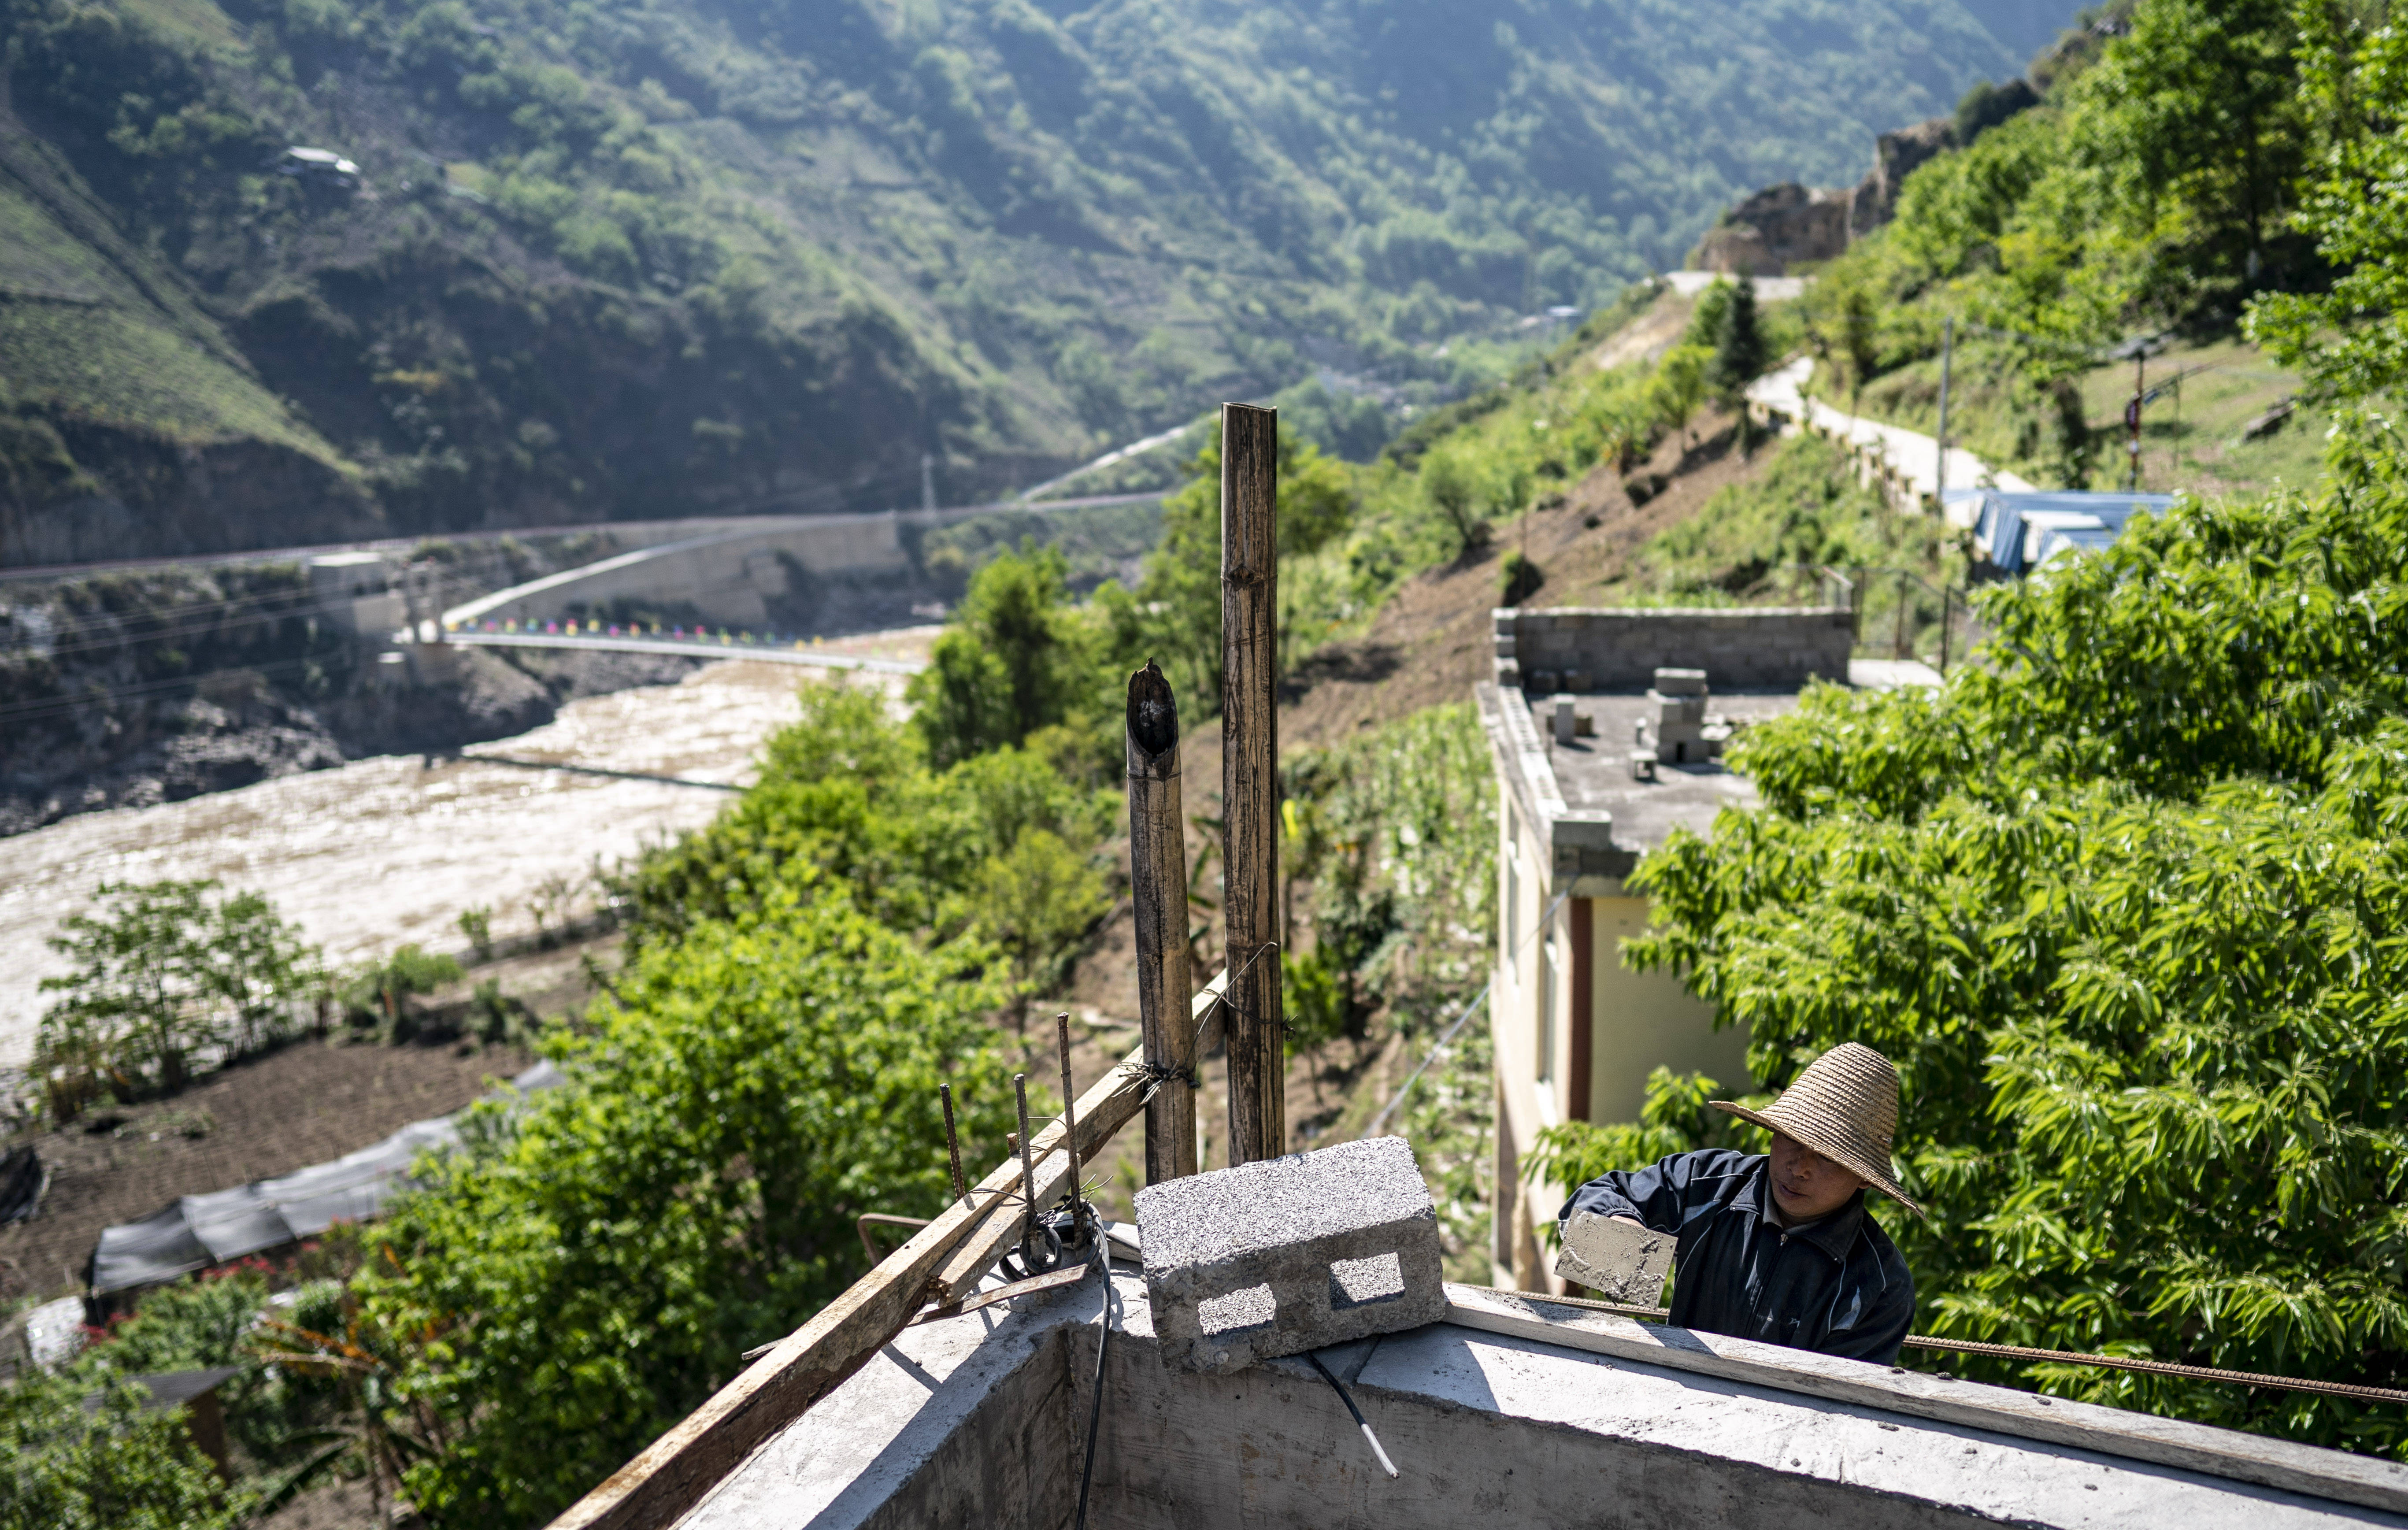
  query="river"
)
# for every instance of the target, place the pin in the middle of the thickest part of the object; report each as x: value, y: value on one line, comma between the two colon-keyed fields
x: 385, y: 850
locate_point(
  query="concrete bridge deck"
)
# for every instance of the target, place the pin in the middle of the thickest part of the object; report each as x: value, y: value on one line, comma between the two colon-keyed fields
x: 798, y: 653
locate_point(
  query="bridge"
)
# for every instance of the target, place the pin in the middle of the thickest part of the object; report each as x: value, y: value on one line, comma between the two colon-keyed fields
x: 733, y: 574
x: 769, y: 648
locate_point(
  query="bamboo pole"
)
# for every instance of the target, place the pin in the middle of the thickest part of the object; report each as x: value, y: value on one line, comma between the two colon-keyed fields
x: 1250, y: 778
x: 1159, y: 889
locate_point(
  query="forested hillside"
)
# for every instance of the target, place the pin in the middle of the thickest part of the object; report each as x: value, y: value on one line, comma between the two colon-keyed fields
x: 644, y: 257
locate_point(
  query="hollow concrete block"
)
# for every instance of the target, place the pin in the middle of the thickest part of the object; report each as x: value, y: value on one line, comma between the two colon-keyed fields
x: 1290, y: 1255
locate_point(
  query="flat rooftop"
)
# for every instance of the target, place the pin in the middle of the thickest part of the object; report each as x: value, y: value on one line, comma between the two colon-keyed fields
x: 1611, y: 815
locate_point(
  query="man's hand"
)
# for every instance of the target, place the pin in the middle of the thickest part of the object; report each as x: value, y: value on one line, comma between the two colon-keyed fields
x: 1633, y: 1222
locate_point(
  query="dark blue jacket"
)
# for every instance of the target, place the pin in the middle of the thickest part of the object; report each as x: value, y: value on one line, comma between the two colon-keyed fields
x: 1837, y: 1285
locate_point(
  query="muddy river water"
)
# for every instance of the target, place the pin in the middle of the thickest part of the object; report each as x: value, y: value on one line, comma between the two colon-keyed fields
x: 393, y: 849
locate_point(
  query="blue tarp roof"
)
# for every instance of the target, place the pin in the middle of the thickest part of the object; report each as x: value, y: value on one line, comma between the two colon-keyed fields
x: 2019, y: 531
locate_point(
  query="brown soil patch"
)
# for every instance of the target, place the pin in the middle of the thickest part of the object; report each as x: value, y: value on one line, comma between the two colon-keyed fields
x: 1431, y: 642
x: 271, y: 1115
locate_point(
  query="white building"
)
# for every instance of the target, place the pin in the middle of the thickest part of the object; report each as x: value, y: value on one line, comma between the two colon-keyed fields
x: 1576, y: 1029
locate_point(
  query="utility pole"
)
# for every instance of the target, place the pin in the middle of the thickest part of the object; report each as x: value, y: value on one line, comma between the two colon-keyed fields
x: 1947, y: 354
x: 1250, y: 780
x: 1159, y: 894
x: 928, y: 480
x: 2132, y: 414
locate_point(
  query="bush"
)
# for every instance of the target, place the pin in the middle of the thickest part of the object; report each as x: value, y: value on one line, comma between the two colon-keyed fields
x: 602, y: 1259
x: 1519, y: 579
x: 379, y: 993
x: 167, y: 979
x: 119, y: 1467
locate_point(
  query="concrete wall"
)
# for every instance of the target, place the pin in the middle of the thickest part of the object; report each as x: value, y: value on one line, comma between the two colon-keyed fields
x: 1764, y: 647
x: 1643, y: 1021
x: 1557, y: 1418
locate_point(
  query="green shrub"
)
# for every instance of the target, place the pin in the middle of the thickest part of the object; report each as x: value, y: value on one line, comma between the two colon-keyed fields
x: 1518, y: 580
x: 165, y: 978
x: 601, y: 1259
x: 379, y: 993
x: 117, y: 1466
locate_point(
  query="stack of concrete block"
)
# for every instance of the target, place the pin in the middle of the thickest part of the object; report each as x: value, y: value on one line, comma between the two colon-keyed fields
x: 1290, y: 1255
x: 1676, y: 718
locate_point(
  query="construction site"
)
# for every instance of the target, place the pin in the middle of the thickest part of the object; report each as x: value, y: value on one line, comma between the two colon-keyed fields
x: 1273, y: 1343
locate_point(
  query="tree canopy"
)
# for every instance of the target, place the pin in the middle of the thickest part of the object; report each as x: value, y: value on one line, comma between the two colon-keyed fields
x: 2125, y: 903
x: 592, y: 1268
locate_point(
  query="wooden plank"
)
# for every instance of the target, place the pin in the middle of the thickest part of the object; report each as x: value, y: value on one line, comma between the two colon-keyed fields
x: 2109, y: 1431
x: 1249, y: 785
x: 671, y: 1474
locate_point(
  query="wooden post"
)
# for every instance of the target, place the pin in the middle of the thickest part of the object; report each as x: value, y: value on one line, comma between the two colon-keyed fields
x: 1250, y: 778
x: 1159, y: 889
x: 1939, y: 469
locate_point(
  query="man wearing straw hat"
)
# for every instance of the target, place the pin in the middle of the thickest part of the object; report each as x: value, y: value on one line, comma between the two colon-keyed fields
x: 1777, y: 1247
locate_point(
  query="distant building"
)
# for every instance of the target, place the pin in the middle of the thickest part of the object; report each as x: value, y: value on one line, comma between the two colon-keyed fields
x: 356, y: 592
x: 1606, y: 739
x: 2016, y: 533
x: 318, y: 167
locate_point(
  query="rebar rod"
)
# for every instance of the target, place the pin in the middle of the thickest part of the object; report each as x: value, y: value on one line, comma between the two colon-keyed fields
x: 1028, y: 1174
x: 953, y: 1144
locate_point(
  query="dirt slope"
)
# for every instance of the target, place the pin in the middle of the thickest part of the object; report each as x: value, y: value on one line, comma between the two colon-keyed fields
x: 1431, y: 641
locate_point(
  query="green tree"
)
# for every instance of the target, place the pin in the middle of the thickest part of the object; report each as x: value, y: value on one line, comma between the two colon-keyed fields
x: 589, y: 1269
x: 114, y: 1465
x: 846, y: 801
x: 2352, y: 341
x: 2195, y: 113
x: 1679, y: 386
x: 163, y: 973
x: 2125, y: 904
x: 1036, y: 900
x: 1739, y: 347
x: 1009, y: 665
x: 1452, y: 487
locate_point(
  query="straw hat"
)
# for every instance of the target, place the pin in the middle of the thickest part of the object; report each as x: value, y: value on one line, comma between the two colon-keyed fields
x: 1844, y: 1107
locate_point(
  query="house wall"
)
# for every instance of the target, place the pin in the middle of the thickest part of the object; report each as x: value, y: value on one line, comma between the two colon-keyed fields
x: 1553, y: 966
x: 1640, y: 1021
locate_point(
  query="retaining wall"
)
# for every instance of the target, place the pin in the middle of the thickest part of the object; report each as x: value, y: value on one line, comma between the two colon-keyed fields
x: 1776, y: 648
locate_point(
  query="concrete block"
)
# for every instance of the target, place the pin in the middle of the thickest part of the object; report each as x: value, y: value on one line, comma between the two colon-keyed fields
x: 1583, y: 828
x: 1681, y: 682
x: 1563, y: 720
x: 1620, y: 1261
x: 1290, y: 1255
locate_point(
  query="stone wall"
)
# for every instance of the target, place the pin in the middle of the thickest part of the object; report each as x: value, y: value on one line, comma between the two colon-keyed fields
x: 1774, y: 648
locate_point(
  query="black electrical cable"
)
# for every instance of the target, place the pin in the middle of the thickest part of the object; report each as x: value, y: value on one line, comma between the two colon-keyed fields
x: 1095, y: 1406
x: 1347, y: 1399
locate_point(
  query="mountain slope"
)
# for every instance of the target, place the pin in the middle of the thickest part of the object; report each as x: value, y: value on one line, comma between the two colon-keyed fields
x: 637, y: 257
